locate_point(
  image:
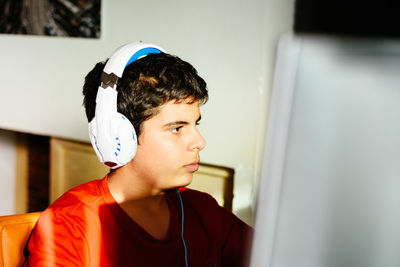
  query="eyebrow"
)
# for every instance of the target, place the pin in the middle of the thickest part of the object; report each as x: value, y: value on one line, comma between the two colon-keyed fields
x: 179, y: 123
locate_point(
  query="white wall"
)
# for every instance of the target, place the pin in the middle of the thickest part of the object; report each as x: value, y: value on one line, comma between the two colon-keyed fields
x: 7, y: 172
x: 231, y: 43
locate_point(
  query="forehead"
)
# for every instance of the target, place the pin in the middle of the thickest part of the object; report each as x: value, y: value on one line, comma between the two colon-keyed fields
x: 177, y: 111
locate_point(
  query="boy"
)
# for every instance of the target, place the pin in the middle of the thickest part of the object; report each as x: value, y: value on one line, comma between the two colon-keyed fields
x: 136, y: 216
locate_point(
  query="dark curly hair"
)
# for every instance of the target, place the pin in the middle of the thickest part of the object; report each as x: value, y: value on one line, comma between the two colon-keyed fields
x: 146, y: 84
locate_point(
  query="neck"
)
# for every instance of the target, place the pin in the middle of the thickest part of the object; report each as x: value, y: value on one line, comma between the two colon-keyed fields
x: 141, y: 201
x: 127, y: 185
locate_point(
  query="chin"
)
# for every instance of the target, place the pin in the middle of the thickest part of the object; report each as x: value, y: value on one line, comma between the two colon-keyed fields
x: 184, y: 181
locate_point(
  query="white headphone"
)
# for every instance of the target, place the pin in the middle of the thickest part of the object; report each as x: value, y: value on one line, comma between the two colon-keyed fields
x: 112, y: 135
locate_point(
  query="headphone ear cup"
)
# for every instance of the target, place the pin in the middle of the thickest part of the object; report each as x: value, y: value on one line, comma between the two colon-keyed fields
x: 92, y: 137
x: 126, y: 145
x: 116, y: 143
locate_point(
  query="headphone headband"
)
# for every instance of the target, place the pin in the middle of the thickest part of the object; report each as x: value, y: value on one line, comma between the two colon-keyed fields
x: 128, y: 53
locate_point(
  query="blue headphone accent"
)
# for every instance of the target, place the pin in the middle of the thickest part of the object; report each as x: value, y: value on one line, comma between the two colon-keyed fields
x: 183, y: 228
x: 142, y: 52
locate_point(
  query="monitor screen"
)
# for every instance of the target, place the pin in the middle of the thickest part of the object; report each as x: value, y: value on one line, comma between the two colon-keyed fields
x: 329, y: 194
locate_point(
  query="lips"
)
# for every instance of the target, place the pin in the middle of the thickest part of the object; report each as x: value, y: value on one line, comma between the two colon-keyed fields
x: 192, y: 167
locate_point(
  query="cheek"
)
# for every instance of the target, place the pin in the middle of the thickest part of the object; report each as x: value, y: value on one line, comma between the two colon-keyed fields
x: 169, y: 154
x: 161, y: 151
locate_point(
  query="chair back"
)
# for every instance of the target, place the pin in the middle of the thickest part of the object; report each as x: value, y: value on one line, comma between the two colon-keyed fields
x: 14, y: 233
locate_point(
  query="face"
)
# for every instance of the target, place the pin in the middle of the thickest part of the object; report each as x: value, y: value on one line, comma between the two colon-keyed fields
x: 169, y: 146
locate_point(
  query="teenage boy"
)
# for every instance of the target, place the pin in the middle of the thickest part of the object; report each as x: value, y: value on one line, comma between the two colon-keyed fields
x: 135, y: 215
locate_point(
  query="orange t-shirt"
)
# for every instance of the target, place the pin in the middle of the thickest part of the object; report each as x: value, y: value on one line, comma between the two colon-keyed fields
x: 86, y: 227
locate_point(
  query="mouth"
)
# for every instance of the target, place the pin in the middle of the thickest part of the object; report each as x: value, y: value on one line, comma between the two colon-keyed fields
x: 192, y: 167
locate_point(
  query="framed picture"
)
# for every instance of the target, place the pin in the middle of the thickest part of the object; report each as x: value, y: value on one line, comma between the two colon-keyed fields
x: 73, y: 18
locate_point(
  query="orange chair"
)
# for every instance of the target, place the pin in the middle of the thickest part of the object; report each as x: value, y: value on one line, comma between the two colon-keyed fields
x: 14, y: 233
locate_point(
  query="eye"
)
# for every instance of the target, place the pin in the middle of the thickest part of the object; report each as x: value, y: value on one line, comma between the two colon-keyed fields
x: 176, y: 129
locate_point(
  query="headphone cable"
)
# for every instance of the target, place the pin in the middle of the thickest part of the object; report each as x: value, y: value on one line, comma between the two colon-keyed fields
x: 183, y: 229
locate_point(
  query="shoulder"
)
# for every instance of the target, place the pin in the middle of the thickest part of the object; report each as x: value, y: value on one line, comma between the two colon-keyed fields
x: 77, y: 202
x: 67, y: 223
x: 67, y: 230
x: 225, y: 228
x: 201, y: 201
x: 84, y: 194
x: 210, y: 211
x: 205, y: 206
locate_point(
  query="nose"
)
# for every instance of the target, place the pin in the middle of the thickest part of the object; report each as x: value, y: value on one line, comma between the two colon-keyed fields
x: 197, y: 142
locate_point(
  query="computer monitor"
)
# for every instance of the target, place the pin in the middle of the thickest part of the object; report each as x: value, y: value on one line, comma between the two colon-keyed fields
x: 329, y: 193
